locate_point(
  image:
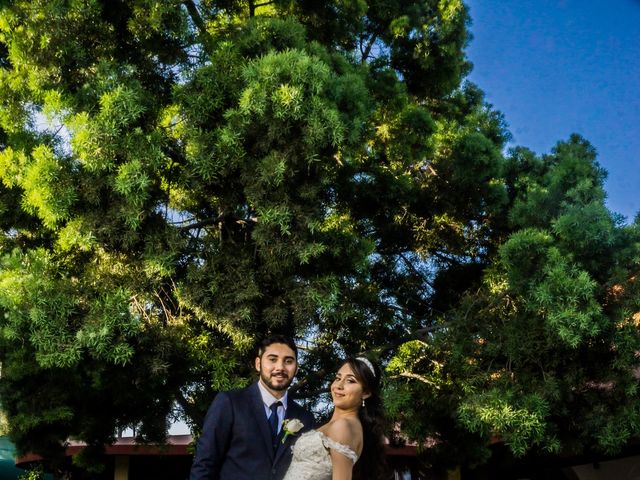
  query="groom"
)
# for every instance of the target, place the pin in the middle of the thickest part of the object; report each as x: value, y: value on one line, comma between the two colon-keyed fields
x: 242, y: 437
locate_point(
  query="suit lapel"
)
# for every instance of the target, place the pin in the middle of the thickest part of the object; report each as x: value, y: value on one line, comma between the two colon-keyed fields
x: 257, y: 408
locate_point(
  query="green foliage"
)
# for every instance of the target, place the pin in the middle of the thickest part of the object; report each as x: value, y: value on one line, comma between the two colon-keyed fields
x: 520, y: 424
x: 565, y: 297
x: 35, y: 473
x: 540, y: 344
x: 180, y: 178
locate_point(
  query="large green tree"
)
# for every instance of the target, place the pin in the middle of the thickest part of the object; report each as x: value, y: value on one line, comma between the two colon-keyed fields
x: 179, y: 178
x: 537, y: 347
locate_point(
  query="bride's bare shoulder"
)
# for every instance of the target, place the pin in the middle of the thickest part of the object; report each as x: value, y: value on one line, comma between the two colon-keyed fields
x: 346, y: 430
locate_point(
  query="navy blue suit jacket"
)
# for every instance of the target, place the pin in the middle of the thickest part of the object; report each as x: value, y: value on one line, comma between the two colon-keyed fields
x: 236, y: 440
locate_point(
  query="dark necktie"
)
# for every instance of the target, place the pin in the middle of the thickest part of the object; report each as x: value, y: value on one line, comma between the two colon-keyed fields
x: 273, y: 423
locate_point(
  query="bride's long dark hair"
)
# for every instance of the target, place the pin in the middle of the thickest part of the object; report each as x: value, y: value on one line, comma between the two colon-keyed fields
x: 372, y: 463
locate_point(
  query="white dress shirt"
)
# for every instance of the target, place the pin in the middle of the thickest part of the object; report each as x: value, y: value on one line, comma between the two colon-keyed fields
x: 268, y: 399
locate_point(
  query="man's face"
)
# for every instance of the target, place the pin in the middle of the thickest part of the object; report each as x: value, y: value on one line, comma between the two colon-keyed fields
x: 277, y: 367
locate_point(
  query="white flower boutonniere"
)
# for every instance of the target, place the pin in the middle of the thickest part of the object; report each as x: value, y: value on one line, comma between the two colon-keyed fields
x: 291, y: 426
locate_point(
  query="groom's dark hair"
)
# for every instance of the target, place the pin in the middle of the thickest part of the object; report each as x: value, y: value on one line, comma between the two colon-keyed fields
x: 277, y: 338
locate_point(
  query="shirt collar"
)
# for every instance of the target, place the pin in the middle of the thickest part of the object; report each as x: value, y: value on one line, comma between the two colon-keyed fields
x: 268, y: 398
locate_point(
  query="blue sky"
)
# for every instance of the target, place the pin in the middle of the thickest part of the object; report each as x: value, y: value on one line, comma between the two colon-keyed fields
x: 555, y: 67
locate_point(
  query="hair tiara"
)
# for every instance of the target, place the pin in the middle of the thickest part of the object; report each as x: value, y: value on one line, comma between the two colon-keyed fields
x: 368, y: 364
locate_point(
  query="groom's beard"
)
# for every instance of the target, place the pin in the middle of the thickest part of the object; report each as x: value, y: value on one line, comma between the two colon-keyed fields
x: 282, y: 384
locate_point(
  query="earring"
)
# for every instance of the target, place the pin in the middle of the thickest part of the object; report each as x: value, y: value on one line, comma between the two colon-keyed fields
x: 363, y: 402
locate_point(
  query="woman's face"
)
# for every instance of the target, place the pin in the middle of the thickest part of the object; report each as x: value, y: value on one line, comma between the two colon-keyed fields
x: 346, y: 390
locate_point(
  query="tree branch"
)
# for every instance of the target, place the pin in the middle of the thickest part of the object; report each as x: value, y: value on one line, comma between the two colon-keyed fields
x: 412, y: 267
x: 213, y: 221
x: 200, y: 224
x: 365, y: 53
x: 192, y: 9
x: 320, y: 373
x: 415, y: 376
x: 253, y: 6
x: 445, y: 258
x: 419, y: 334
x: 189, y: 408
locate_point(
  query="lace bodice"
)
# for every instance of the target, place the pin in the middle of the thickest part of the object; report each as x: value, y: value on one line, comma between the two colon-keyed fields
x: 311, y: 458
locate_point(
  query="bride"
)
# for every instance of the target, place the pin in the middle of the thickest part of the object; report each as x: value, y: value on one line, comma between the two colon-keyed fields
x: 351, y: 444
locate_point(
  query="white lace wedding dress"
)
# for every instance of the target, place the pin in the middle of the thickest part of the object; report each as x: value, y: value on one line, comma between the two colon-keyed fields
x: 311, y: 457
